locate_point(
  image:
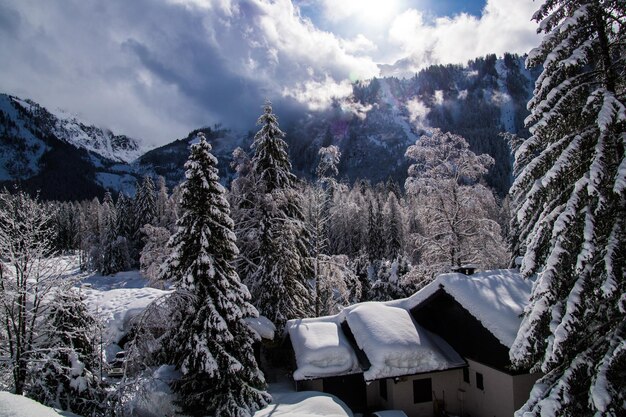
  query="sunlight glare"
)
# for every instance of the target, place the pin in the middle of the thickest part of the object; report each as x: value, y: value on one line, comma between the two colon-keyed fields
x: 372, y: 12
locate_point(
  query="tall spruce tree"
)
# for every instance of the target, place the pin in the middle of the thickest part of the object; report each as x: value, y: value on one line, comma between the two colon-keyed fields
x: 279, y: 283
x: 212, y: 345
x: 570, y: 202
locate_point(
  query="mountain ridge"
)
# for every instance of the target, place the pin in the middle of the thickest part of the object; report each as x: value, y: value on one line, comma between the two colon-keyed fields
x: 372, y: 127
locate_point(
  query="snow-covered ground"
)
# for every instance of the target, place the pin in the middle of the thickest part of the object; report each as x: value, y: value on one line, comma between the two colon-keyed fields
x: 287, y: 402
x: 117, y: 299
x: 12, y: 405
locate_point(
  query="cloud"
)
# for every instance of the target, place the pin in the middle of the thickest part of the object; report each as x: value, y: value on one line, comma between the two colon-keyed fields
x: 318, y: 95
x: 417, y: 111
x: 156, y: 70
x: 504, y: 26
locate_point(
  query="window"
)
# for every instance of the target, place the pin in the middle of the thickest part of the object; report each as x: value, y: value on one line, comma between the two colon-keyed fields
x: 479, y: 381
x: 422, y: 391
x: 382, y: 388
x: 466, y: 375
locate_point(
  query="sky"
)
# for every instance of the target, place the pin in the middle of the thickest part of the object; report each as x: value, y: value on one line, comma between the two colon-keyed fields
x: 157, y: 69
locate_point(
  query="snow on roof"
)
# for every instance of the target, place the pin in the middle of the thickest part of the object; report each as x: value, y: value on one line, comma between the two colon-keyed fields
x: 496, y: 298
x: 321, y: 348
x: 305, y: 404
x: 12, y: 405
x: 394, y: 344
x: 262, y: 326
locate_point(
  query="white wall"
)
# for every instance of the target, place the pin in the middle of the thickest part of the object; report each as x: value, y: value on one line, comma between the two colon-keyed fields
x: 502, y: 395
x: 445, y: 386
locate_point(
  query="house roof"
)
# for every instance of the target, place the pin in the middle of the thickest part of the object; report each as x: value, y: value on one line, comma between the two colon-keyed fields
x: 496, y: 298
x: 321, y: 348
x: 396, y: 345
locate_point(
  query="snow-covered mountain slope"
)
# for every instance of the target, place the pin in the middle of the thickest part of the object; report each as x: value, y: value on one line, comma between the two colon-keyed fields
x: 68, y: 128
x: 20, y: 149
x: 60, y: 156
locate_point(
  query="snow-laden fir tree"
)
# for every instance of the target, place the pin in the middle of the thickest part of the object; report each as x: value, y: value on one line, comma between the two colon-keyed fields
x: 279, y: 282
x: 388, y: 283
x: 212, y: 344
x: 145, y: 204
x: 569, y: 198
x: 376, y: 246
x: 113, y: 251
x: 394, y: 227
x: 65, y: 372
x: 155, y: 251
x: 144, y: 212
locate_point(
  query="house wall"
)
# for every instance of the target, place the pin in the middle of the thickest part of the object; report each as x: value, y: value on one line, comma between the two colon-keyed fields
x: 373, y: 398
x: 502, y: 395
x: 310, y: 385
x: 445, y: 387
x: 522, y: 385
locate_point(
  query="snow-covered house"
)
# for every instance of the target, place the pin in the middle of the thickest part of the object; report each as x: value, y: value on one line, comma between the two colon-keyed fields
x: 444, y: 348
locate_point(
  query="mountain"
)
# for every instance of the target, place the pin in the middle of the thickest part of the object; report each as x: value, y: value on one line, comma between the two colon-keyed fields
x: 384, y: 116
x: 61, y: 156
x: 68, y: 159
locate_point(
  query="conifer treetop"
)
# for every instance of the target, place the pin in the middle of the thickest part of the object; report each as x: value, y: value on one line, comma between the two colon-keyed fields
x: 271, y: 162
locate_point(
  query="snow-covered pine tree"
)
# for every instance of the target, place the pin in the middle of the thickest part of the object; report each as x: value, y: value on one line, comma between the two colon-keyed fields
x: 570, y: 201
x: 113, y: 247
x: 145, y: 205
x: 279, y: 283
x: 154, y: 253
x: 212, y: 345
x: 394, y: 229
x: 388, y: 284
x: 144, y: 212
x: 65, y: 369
x: 375, y: 239
x: 125, y: 216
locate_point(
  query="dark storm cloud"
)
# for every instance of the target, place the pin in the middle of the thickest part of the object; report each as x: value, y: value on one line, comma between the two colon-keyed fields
x: 158, y: 69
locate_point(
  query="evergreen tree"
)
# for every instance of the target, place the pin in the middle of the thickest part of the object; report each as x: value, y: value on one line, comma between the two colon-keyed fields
x: 125, y: 216
x: 387, y: 285
x: 212, y: 346
x: 114, y: 249
x: 394, y: 232
x: 64, y: 375
x: 570, y: 201
x: 279, y: 282
x: 375, y: 237
x: 144, y: 212
x: 145, y: 205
